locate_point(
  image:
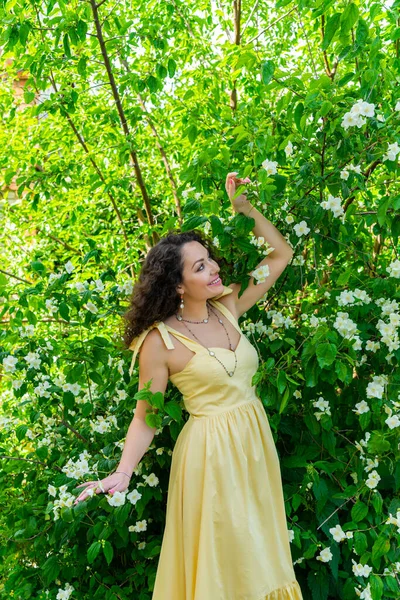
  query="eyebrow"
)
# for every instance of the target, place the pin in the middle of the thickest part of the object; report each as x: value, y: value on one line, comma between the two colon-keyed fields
x: 200, y: 259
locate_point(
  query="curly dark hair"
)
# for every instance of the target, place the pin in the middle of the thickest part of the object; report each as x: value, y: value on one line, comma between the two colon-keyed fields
x: 154, y: 296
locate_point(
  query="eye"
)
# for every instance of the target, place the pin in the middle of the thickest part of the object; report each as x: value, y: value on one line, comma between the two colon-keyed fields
x: 202, y: 264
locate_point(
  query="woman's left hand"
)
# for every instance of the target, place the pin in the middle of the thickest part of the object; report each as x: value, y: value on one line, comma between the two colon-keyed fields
x: 231, y: 184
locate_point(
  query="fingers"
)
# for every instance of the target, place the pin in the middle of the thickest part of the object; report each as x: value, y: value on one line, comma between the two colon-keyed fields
x: 86, y: 483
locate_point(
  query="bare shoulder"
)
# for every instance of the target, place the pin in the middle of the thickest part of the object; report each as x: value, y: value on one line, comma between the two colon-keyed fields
x: 153, y: 348
x: 230, y: 300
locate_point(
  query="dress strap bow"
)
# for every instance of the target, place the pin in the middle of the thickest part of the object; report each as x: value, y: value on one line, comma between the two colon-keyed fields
x: 138, y: 341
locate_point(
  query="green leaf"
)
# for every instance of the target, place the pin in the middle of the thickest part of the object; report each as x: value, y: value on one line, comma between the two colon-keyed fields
x: 193, y: 222
x: 381, y: 547
x: 298, y: 113
x: 362, y: 32
x: 285, y: 400
x: 318, y: 583
x: 93, y: 551
x: 281, y: 381
x: 325, y: 108
x: 360, y: 542
x: 331, y: 29
x: 359, y: 511
x: 267, y: 71
x: 382, y: 209
x: 326, y: 354
x: 153, y: 420
x: 81, y: 29
x: 395, y: 227
x: 63, y: 309
x: 67, y: 48
x: 20, y: 431
x: 174, y: 410
x: 108, y: 552
x: 157, y: 400
x: 349, y: 18
x: 377, y: 502
x: 51, y: 569
x: 81, y: 66
x: 152, y: 83
x: 171, y: 67
x: 24, y: 32
x: 191, y: 132
x: 376, y: 585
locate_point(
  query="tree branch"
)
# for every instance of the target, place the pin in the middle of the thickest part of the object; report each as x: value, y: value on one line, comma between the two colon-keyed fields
x: 122, y: 116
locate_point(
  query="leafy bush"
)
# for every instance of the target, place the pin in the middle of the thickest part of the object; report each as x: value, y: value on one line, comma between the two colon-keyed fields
x: 305, y: 104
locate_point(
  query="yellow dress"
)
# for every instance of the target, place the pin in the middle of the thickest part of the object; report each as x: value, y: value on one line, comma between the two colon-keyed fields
x: 226, y: 534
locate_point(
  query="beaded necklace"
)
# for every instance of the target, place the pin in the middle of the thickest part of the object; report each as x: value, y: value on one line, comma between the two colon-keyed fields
x: 211, y: 352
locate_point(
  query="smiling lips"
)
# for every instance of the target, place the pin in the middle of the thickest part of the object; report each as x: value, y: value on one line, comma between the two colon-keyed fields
x: 216, y: 281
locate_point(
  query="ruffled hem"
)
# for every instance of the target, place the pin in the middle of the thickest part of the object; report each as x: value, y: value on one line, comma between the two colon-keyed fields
x: 289, y: 592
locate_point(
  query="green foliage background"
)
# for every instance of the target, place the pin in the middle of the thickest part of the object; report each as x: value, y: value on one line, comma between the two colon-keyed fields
x: 124, y: 106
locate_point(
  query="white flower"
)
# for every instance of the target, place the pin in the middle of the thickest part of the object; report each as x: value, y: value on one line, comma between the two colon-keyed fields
x: 92, y: 307
x: 9, y: 363
x: 334, y: 205
x: 291, y: 535
x: 366, y: 593
x: 345, y: 298
x: 270, y: 166
x: 361, y: 407
x: 216, y: 242
x: 139, y: 526
x: 289, y: 219
x: 117, y: 499
x: 393, y: 421
x: 298, y: 261
x: 207, y: 227
x: 186, y: 193
x: 99, y: 285
x: 79, y: 286
x: 152, y: 480
x: 394, y: 269
x: 289, y: 149
x: 361, y: 570
x: 134, y: 496
x: 301, y: 228
x: 64, y: 594
x: 325, y: 555
x: 51, y: 305
x: 345, y: 326
x: 297, y: 394
x: 371, y: 464
x: 380, y: 118
x: 261, y: 273
x: 344, y: 174
x: 141, y: 545
x: 33, y: 360
x: 69, y: 267
x: 337, y: 533
x: 373, y: 480
x: 52, y: 490
x: 375, y: 390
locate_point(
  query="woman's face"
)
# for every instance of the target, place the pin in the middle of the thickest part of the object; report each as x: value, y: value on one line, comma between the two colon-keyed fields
x: 199, y: 271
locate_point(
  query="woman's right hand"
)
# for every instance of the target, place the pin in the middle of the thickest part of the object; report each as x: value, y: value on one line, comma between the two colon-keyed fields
x: 116, y: 482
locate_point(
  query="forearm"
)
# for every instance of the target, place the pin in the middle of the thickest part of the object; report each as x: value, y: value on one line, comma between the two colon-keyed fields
x: 138, y: 438
x: 264, y: 228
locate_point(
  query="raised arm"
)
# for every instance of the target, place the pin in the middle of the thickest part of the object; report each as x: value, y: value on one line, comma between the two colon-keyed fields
x: 276, y: 260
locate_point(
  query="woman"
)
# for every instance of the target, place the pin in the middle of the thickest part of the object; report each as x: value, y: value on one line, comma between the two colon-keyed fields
x: 226, y: 534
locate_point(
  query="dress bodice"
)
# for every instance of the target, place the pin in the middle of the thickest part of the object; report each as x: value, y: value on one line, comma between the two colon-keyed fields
x: 206, y: 387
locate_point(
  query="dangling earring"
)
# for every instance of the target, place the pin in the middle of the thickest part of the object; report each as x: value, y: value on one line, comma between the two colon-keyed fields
x: 181, y: 306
